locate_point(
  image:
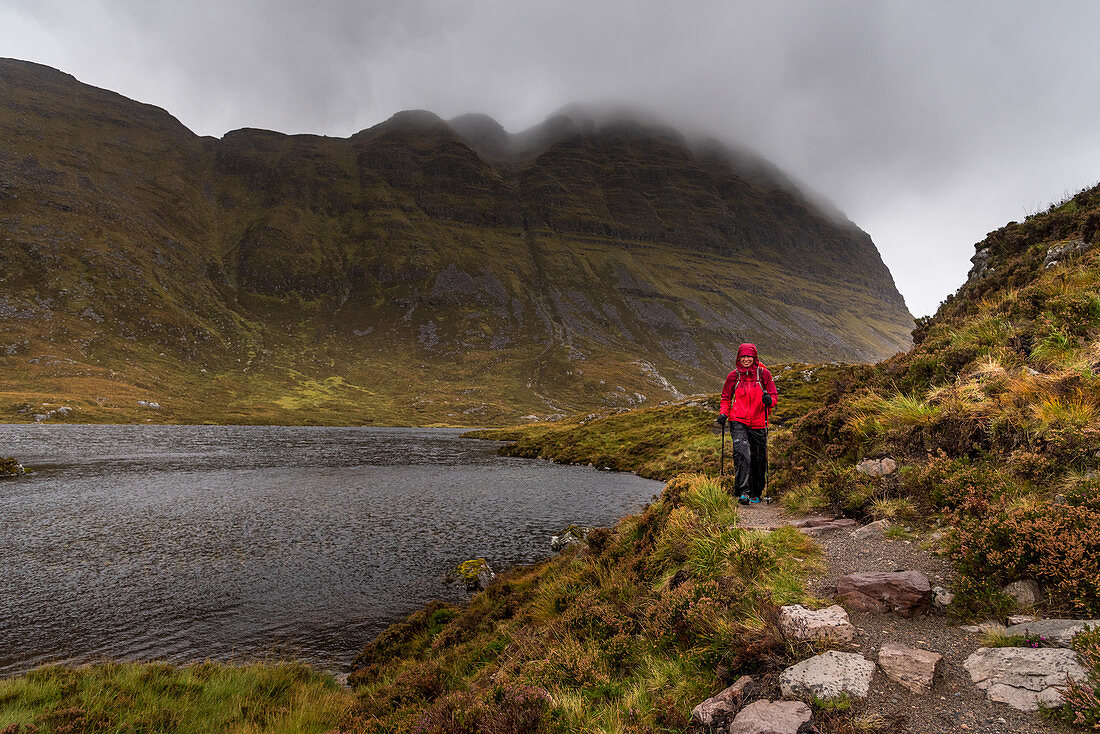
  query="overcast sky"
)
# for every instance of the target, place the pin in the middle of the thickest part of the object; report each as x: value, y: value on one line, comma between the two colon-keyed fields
x: 928, y: 122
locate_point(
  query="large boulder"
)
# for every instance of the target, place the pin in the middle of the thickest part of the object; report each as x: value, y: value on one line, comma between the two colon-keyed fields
x: 718, y: 710
x: 828, y: 676
x: 911, y: 667
x: 771, y: 717
x: 903, y: 592
x: 831, y: 623
x: 1057, y: 632
x: 1024, y: 677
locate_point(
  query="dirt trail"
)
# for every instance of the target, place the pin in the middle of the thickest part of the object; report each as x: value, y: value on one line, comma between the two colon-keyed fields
x: 955, y: 703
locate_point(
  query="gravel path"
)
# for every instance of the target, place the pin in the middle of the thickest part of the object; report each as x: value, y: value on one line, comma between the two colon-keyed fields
x: 955, y: 703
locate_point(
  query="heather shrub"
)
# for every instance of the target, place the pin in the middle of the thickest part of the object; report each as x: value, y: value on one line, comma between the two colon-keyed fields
x: 947, y: 482
x: 505, y: 709
x: 1082, y: 706
x: 1059, y: 545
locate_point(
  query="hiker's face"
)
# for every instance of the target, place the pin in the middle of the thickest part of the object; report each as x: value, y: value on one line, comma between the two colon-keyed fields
x: 745, y: 361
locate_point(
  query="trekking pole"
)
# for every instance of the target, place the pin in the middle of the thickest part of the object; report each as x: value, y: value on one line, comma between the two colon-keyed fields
x: 767, y: 427
x: 722, y: 456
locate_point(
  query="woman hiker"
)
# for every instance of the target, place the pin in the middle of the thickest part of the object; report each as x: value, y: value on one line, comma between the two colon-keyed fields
x: 747, y: 399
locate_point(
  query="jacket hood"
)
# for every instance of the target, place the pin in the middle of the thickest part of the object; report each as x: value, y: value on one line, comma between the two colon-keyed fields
x: 750, y: 350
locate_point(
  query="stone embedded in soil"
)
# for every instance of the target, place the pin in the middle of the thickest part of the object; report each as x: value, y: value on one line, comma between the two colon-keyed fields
x: 1024, y: 677
x: 827, y: 527
x: 718, y: 710
x: 942, y: 596
x: 828, y: 676
x: 877, y: 467
x: 812, y: 522
x: 871, y: 530
x: 1059, y: 632
x: 771, y: 717
x: 905, y: 593
x: 1021, y: 619
x: 1026, y: 592
x: 911, y: 667
x: 830, y: 623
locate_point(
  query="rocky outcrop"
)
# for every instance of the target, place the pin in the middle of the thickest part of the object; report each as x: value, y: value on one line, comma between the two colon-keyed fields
x: 905, y: 593
x: 911, y: 667
x: 1024, y: 677
x: 771, y: 717
x: 831, y: 623
x: 828, y: 676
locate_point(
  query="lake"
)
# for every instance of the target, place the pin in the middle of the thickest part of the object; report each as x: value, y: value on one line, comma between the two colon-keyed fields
x: 187, y: 543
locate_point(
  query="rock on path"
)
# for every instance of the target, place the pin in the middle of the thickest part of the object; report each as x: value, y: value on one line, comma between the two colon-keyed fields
x: 955, y: 703
x: 1024, y: 677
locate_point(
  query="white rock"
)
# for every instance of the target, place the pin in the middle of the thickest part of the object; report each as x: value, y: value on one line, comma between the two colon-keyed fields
x: 771, y: 717
x: 941, y: 596
x: 828, y: 676
x: 830, y: 623
x: 911, y: 667
x: 1016, y: 619
x: 1024, y: 677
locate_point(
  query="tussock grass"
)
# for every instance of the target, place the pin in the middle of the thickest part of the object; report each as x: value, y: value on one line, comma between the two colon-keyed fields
x: 623, y: 635
x: 1070, y: 412
x: 268, y: 697
x: 804, y: 499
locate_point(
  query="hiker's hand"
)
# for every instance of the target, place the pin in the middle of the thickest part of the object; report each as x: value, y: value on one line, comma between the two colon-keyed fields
x: 767, y: 399
x: 721, y: 419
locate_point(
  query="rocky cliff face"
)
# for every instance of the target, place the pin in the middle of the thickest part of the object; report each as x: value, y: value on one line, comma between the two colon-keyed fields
x: 419, y: 270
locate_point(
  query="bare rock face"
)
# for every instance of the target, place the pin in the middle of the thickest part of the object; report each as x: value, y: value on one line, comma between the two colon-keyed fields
x: 1024, y: 677
x: 911, y: 667
x: 830, y: 623
x: 718, y: 710
x: 1058, y: 632
x: 771, y: 717
x: 828, y: 676
x: 877, y: 467
x: 903, y: 592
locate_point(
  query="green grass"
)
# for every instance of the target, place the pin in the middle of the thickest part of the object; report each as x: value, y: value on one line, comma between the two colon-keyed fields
x: 271, y: 697
x: 622, y: 636
x: 662, y: 441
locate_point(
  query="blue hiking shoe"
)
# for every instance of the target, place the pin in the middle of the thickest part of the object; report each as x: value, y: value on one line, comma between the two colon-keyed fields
x: 754, y: 500
x: 743, y: 499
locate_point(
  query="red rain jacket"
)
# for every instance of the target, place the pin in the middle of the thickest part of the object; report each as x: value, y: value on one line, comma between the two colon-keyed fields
x: 747, y: 405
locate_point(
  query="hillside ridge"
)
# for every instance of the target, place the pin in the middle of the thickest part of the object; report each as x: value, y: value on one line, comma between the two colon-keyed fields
x: 300, y: 278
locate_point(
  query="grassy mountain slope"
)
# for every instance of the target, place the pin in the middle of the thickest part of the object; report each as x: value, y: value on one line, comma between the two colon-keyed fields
x: 403, y: 275
x: 994, y: 417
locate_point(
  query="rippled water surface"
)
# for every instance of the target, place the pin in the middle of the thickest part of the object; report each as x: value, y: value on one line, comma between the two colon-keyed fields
x: 237, y: 543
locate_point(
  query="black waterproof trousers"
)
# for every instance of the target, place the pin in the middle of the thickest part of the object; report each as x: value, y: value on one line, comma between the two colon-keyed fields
x: 750, y: 454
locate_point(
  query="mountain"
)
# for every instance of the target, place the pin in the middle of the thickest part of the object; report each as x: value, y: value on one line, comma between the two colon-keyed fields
x: 419, y: 271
